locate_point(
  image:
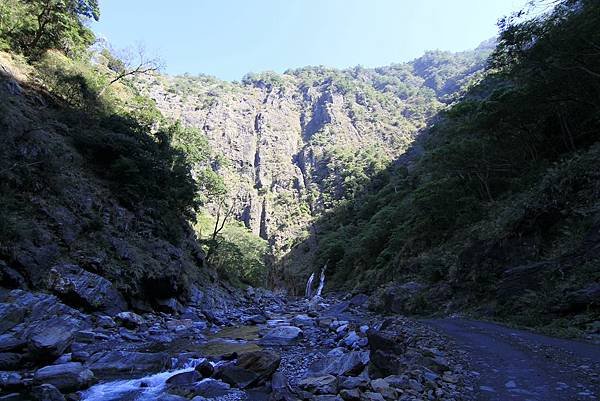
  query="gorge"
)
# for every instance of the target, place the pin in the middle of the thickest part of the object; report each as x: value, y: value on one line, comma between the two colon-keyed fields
x: 427, y: 230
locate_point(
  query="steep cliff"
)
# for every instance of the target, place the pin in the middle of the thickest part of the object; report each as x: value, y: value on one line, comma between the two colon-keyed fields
x: 303, y: 142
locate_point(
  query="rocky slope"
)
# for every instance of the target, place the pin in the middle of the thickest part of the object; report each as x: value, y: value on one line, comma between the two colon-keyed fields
x: 299, y: 143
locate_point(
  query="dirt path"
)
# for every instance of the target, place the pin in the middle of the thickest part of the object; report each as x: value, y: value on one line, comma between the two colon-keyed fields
x: 519, y: 365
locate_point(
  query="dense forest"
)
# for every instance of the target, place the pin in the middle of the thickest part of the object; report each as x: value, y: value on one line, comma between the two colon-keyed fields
x: 501, y: 209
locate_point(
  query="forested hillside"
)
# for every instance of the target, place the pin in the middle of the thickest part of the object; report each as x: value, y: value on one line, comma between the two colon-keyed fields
x: 500, y: 214
x: 292, y: 146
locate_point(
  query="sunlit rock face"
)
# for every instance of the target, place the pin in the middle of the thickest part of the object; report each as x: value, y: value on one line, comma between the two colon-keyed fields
x: 289, y: 140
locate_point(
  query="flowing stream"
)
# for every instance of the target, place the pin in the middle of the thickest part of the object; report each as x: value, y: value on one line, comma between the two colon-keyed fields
x: 146, y: 388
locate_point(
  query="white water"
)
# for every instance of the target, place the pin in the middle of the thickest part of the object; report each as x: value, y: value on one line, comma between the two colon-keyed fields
x: 309, y: 284
x: 132, y: 389
x: 321, y: 282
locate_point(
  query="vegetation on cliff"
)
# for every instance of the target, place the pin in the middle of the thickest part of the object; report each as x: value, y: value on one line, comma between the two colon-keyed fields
x: 508, y: 183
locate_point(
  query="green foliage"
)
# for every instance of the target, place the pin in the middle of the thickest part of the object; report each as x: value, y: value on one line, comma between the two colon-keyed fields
x: 515, y: 158
x: 34, y: 26
x: 237, y: 253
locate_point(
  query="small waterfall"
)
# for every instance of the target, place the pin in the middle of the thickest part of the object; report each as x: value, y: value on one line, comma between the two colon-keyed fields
x: 309, y: 284
x: 321, y: 282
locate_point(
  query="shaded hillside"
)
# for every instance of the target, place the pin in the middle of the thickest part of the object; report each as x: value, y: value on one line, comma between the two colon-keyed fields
x: 82, y: 182
x: 294, y: 145
x: 501, y: 210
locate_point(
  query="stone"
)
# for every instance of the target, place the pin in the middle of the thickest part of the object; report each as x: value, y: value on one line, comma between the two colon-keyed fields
x: 352, y: 382
x: 9, y: 342
x: 169, y: 305
x: 303, y: 321
x: 371, y: 396
x: 80, y: 288
x: 184, y: 378
x: 327, y: 397
x: 350, y: 394
x: 282, y: 335
x: 112, y: 364
x: 327, y: 384
x: 382, y: 387
x: 51, y: 339
x: 129, y: 320
x: 10, y: 361
x: 349, y: 364
x: 338, y: 351
x: 351, y: 339
x: 415, y: 385
x: 397, y: 381
x: 450, y: 377
x: 106, y: 322
x: 264, y: 363
x: 205, y: 368
x: 67, y: 377
x: 46, y: 392
x: 257, y: 319
x: 10, y: 380
x: 280, y: 389
x: 238, y: 377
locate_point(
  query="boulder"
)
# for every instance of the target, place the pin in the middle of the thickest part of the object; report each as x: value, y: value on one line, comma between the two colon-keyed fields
x: 205, y: 368
x: 10, y: 380
x: 264, y: 363
x: 282, y: 335
x: 397, y: 298
x: 129, y: 320
x: 10, y: 342
x: 183, y: 379
x: 207, y: 388
x: 252, y: 369
x: 10, y: 361
x: 71, y: 376
x: 349, y: 364
x: 46, y: 392
x: 350, y: 395
x: 51, y: 339
x: 111, y: 364
x: 169, y: 305
x: 80, y: 288
x: 387, y: 351
x: 326, y: 384
x: 352, y: 382
x: 303, y: 321
x: 280, y: 389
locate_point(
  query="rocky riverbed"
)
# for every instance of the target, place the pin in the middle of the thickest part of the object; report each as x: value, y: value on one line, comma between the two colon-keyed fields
x: 262, y: 346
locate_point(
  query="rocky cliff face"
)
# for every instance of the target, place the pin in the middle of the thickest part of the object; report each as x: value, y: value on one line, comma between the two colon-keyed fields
x: 299, y: 143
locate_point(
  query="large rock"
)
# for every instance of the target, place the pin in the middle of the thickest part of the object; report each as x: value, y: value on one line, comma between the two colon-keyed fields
x: 52, y: 338
x: 10, y: 342
x: 350, y: 364
x: 130, y: 320
x: 388, y: 348
x: 46, y: 392
x: 397, y: 298
x: 80, y: 288
x: 10, y: 361
x: 207, y: 388
x: 326, y: 384
x: 113, y: 364
x: 281, y: 389
x: 252, y: 369
x: 66, y: 377
x: 282, y: 335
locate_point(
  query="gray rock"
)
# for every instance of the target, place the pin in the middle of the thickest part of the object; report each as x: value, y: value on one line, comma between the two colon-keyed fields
x: 10, y: 361
x: 371, y: 396
x: 111, y: 364
x: 350, y: 394
x: 106, y: 322
x: 205, y: 368
x: 9, y: 342
x: 326, y: 384
x: 10, y: 380
x: 46, y: 392
x: 352, y: 382
x: 81, y: 288
x: 51, y: 339
x: 350, y: 364
x: 130, y: 320
x: 282, y: 335
x: 169, y: 305
x: 69, y: 376
x: 303, y: 321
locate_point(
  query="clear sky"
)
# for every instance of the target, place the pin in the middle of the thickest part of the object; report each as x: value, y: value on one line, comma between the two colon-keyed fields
x: 229, y: 38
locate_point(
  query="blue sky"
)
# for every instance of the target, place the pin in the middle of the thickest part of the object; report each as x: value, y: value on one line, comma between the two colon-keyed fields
x: 229, y: 38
